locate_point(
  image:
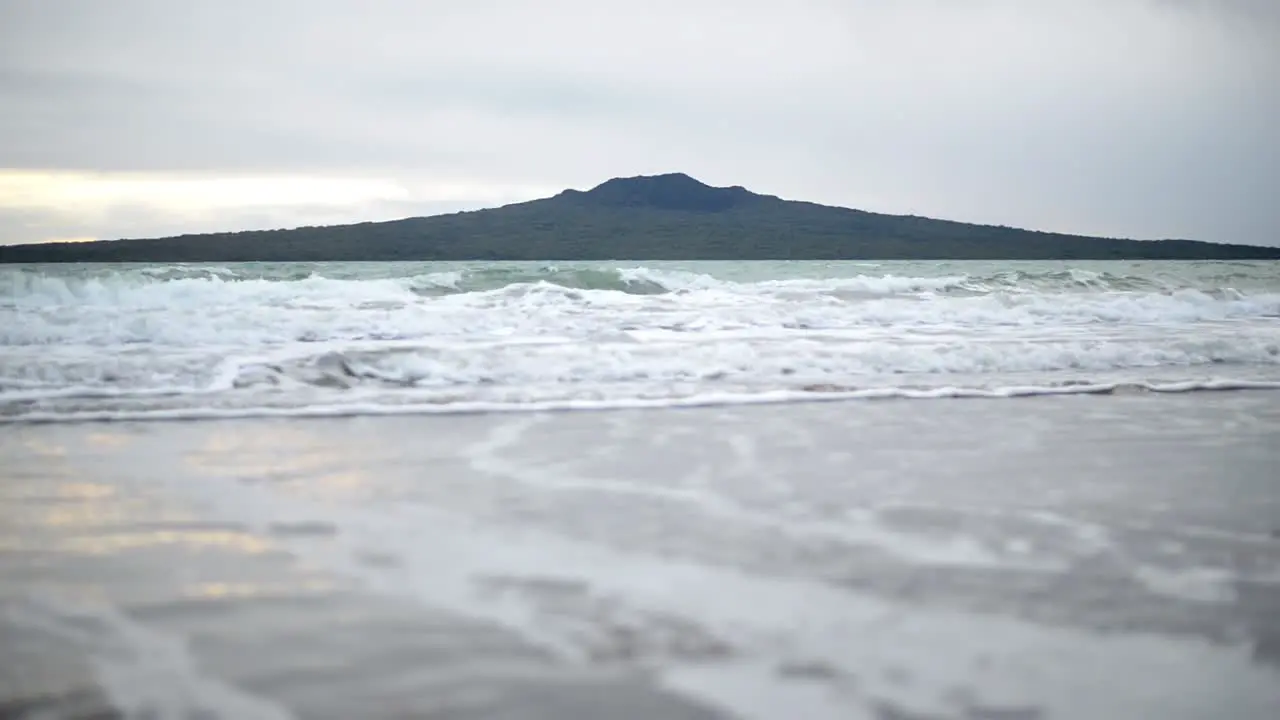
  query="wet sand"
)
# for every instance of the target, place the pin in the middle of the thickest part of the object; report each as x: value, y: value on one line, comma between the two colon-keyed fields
x: 1057, y: 557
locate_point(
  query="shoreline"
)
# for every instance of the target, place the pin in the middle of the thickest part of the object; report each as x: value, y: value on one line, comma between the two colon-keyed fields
x: 815, y: 394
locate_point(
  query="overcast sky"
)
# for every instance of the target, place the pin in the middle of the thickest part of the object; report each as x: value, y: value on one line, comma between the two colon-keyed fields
x: 1139, y: 118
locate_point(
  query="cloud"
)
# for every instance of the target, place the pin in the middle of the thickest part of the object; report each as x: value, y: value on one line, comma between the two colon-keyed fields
x: 41, y: 206
x: 1148, y: 118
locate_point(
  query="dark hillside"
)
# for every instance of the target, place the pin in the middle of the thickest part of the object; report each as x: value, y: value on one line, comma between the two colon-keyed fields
x: 662, y: 217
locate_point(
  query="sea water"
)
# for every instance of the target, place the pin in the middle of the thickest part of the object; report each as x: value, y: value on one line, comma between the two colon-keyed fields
x: 1094, y: 538
x: 105, y: 341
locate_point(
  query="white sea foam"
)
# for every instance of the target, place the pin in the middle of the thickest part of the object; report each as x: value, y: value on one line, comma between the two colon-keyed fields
x: 195, y: 338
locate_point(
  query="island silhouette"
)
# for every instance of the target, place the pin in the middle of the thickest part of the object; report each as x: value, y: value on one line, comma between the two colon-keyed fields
x: 655, y: 217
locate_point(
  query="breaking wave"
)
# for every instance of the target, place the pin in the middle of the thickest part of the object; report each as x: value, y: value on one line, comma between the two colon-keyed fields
x: 133, y: 341
x: 102, y: 282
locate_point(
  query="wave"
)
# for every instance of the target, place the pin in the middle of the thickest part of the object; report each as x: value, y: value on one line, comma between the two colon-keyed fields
x: 753, y: 362
x: 532, y: 372
x: 164, y: 338
x: 710, y: 399
x: 26, y: 285
x: 480, y: 280
x: 196, y: 313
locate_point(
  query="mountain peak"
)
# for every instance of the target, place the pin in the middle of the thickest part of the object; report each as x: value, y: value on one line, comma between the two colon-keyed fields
x: 669, y: 191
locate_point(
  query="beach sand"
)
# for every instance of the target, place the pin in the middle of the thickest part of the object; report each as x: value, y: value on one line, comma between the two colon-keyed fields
x: 1053, y: 557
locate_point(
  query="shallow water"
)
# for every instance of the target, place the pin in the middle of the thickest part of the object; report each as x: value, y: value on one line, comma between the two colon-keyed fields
x: 1061, y: 557
x: 1111, y: 550
x: 136, y: 341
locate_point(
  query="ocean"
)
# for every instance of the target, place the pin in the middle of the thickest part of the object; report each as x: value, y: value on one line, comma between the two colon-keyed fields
x: 105, y: 342
x: 696, y: 491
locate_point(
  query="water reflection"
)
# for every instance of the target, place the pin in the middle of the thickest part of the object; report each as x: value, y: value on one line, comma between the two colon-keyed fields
x: 243, y: 590
x: 72, y: 495
x: 286, y: 455
x: 108, y: 440
x: 84, y: 491
x: 43, y: 447
x: 195, y: 540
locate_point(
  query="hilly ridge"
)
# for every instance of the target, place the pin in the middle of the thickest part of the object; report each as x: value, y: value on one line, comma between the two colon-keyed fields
x: 657, y: 217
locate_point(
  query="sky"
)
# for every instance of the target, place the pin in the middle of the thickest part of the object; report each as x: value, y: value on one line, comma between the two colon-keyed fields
x: 1130, y: 118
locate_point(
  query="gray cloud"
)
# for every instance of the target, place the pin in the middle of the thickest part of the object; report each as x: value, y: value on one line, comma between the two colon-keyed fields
x: 1152, y: 118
